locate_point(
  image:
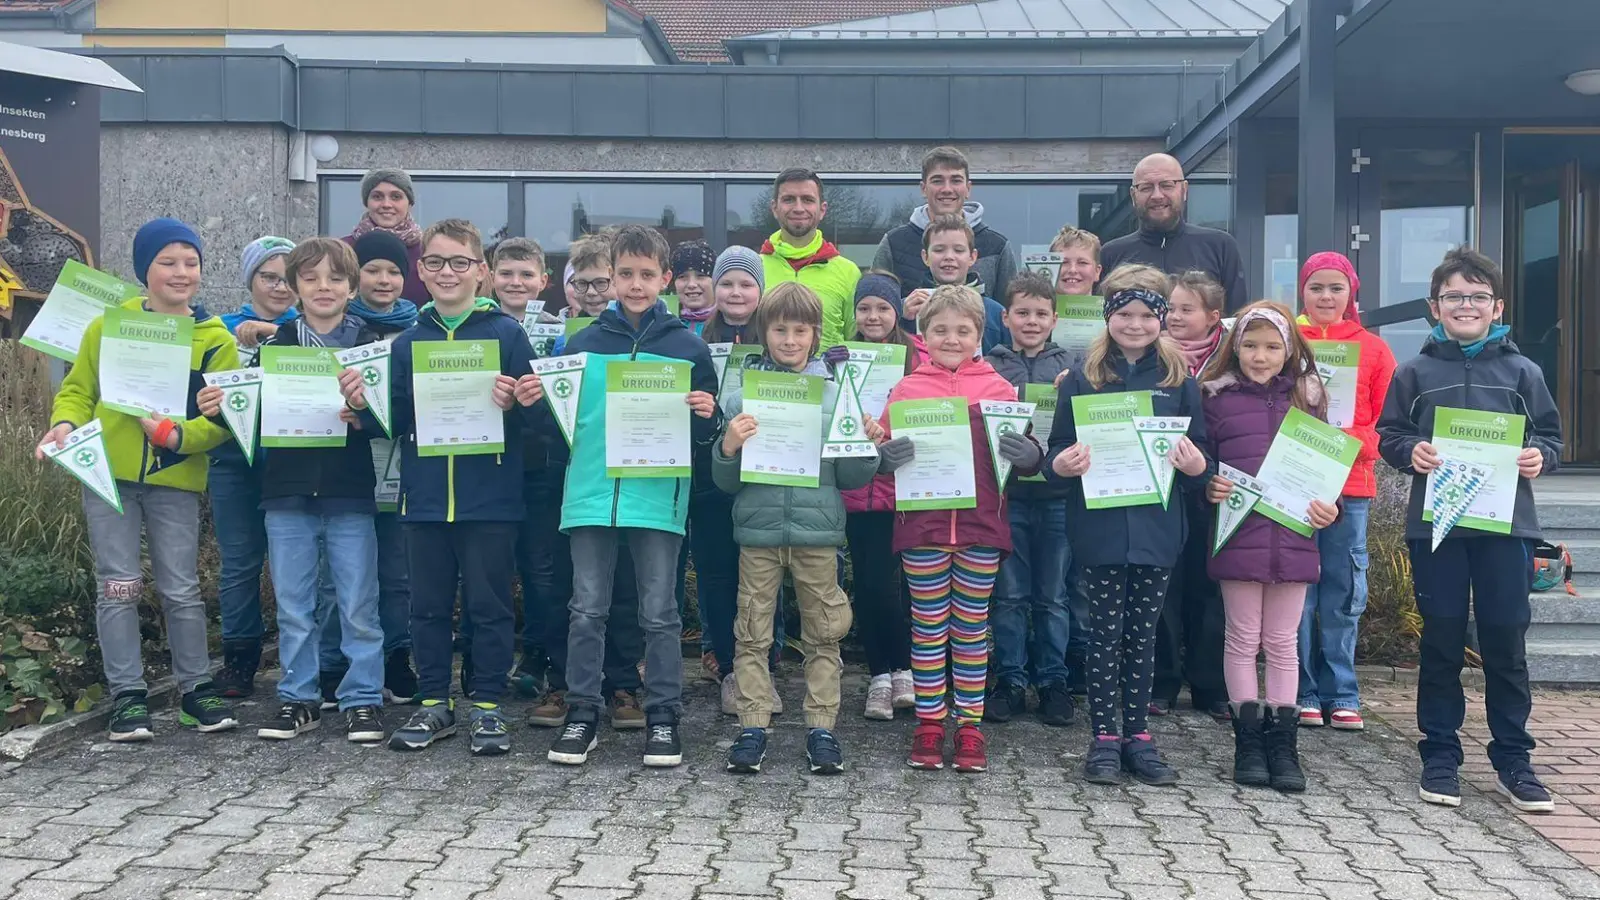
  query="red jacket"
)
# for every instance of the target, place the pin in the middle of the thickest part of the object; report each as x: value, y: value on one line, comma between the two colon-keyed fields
x: 1373, y: 375
x: 988, y: 524
x: 879, y: 495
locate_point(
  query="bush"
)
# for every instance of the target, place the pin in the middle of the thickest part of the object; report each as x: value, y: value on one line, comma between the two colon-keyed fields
x: 1391, y: 627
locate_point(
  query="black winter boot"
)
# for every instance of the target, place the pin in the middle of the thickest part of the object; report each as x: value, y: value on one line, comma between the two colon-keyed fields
x: 240, y: 660
x: 1280, y: 738
x: 1249, y: 757
x: 398, y: 678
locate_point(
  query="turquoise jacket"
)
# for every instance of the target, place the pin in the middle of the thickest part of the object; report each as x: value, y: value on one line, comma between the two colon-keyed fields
x: 594, y: 499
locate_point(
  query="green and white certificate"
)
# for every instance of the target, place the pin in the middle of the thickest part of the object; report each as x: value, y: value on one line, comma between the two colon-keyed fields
x: 1489, y: 439
x: 1079, y: 320
x: 1340, y: 361
x: 80, y: 294
x: 886, y: 372
x: 144, y: 362
x: 1118, y: 473
x: 1308, y: 460
x: 452, y: 392
x: 787, y: 446
x: 647, y: 420
x: 575, y: 325
x: 1043, y: 397
x: 300, y: 398
x: 941, y: 474
x: 731, y: 377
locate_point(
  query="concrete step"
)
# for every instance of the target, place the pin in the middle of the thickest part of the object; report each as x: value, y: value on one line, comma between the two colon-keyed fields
x: 1585, y: 556
x: 1564, y: 662
x: 1557, y: 534
x: 1567, y: 513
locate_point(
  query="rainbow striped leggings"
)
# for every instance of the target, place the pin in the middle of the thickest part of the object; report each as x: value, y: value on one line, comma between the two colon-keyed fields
x: 950, y: 590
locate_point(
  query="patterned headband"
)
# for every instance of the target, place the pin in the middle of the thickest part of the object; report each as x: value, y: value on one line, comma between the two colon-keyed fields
x: 1119, y: 299
x: 1265, y: 315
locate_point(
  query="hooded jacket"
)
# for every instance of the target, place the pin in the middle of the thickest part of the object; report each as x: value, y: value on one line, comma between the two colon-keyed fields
x: 1242, y: 418
x: 1022, y: 371
x: 131, y: 455
x: 1134, y: 535
x: 1497, y: 379
x: 1181, y: 249
x: 819, y: 267
x: 879, y: 495
x: 484, y: 487
x: 988, y: 524
x: 770, y: 515
x: 1373, y: 373
x: 592, y: 497
x: 900, y: 252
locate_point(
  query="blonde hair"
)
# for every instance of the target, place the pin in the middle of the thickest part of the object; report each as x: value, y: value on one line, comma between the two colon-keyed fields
x: 790, y: 301
x: 1299, y: 361
x: 1073, y: 236
x: 1097, y: 368
x: 954, y: 298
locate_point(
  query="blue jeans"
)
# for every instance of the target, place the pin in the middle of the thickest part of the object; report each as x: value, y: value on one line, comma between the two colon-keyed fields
x: 1032, y: 579
x: 394, y: 596
x: 242, y: 542
x: 1333, y: 613
x: 300, y: 545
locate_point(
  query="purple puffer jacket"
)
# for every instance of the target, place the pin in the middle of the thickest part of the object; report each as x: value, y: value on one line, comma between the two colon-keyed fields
x: 1242, y: 418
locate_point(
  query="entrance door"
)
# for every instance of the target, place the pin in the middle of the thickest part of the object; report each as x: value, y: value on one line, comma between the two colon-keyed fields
x: 1553, y: 282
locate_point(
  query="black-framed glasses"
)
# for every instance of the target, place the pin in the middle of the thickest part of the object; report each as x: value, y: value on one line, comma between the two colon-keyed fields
x: 1146, y: 188
x: 1456, y: 299
x: 586, y: 285
x: 458, y: 264
x: 272, y: 282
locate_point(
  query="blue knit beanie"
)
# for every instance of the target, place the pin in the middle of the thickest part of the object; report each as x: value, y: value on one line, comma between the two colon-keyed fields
x: 156, y: 234
x: 884, y: 288
x: 742, y: 259
x: 257, y: 252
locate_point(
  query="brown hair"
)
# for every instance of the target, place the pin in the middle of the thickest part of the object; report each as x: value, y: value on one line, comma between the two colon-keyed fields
x: 943, y: 224
x: 518, y: 248
x: 1097, y: 368
x: 1471, y: 265
x: 790, y: 301
x: 589, y: 252
x: 945, y: 158
x: 795, y: 173
x: 1073, y: 236
x: 308, y: 253
x: 1299, y: 362
x: 459, y: 230
x: 1030, y: 284
x: 641, y: 240
x: 1202, y: 285
x: 952, y: 298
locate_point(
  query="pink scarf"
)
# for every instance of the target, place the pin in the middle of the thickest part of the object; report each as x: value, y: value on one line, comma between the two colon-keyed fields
x: 1198, y: 352
x: 697, y: 315
x: 408, y: 232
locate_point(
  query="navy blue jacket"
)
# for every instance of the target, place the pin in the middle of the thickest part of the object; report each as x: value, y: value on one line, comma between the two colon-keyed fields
x: 480, y: 488
x: 1134, y: 535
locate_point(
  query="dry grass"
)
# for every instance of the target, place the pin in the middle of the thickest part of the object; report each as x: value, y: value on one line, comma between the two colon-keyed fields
x: 40, y: 510
x: 1391, y: 627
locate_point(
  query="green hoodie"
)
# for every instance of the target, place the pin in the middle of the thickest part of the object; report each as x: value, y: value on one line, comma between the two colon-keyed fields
x: 132, y: 457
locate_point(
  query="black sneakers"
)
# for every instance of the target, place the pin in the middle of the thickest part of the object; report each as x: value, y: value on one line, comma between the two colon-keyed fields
x: 1143, y: 761
x: 363, y: 725
x: 130, y: 718
x: 573, y: 744
x: 204, y: 710
x: 1056, y: 708
x: 240, y: 660
x: 748, y: 752
x: 1440, y: 785
x: 662, y: 747
x: 823, y: 752
x: 329, y: 681
x: 1005, y: 702
x: 1103, y: 764
x: 293, y: 719
x: 1524, y: 790
x: 399, y: 681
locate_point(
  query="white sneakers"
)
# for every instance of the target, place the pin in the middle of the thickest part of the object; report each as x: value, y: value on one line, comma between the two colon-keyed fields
x: 880, y: 699
x: 905, y: 693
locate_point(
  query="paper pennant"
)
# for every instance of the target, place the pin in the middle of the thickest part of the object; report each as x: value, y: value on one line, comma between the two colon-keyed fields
x: 846, y: 435
x: 719, y: 358
x: 541, y: 335
x: 372, y: 361
x: 386, y: 466
x: 1045, y: 264
x: 1456, y: 484
x: 562, y: 380
x: 1232, y: 512
x: 84, y: 455
x: 1326, y: 373
x: 1003, y: 417
x: 241, y: 405
x: 1158, y: 435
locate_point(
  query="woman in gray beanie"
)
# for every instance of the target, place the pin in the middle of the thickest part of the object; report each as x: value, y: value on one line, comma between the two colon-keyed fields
x: 389, y: 196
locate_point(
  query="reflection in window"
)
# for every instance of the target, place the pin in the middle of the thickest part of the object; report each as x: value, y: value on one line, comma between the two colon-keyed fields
x: 483, y: 203
x: 1280, y: 241
x: 559, y: 212
x: 857, y: 218
x: 1426, y: 198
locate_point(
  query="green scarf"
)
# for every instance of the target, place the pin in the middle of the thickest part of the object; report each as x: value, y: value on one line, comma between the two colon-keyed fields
x: 451, y: 323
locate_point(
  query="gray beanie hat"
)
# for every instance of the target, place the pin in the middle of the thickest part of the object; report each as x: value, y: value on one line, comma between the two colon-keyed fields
x: 395, y: 177
x: 743, y: 259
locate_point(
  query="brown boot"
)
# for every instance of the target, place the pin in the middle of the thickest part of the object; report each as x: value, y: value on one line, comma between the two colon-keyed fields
x: 627, y: 714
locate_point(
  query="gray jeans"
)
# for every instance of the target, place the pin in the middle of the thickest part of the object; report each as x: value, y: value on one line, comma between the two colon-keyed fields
x: 655, y: 565
x: 171, y: 518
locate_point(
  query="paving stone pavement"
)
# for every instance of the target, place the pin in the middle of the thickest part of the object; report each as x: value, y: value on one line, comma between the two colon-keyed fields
x: 223, y: 817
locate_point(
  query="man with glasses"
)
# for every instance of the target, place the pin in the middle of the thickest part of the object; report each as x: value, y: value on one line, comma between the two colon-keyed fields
x: 1166, y: 241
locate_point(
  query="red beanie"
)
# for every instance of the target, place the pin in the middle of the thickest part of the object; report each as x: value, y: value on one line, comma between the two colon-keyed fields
x: 1338, y: 262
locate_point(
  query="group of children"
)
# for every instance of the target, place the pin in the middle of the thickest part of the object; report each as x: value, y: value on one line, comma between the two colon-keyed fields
x: 361, y: 592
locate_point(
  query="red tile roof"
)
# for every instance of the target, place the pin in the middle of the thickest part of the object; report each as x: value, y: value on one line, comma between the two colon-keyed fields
x: 31, y: 5
x: 697, y: 28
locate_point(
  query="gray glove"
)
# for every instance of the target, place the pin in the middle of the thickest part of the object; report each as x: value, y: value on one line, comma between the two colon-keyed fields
x: 892, y: 454
x: 1019, y: 451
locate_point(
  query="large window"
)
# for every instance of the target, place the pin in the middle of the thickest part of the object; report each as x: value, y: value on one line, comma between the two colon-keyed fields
x: 483, y: 203
x: 559, y: 212
x: 858, y: 215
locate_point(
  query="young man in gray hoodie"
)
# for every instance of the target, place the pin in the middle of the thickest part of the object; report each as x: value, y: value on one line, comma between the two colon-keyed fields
x: 947, y: 186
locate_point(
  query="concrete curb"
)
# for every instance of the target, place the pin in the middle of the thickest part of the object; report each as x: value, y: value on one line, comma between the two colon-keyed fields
x: 1400, y: 675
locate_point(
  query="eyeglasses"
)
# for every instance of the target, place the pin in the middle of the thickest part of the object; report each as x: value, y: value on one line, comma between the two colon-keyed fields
x: 1146, y: 188
x: 272, y: 282
x: 597, y: 285
x: 458, y: 264
x: 1455, y: 299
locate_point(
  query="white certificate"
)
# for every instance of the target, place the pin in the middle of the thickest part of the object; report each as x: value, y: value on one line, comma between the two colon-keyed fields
x: 79, y: 295
x: 300, y: 398
x: 452, y: 388
x: 886, y: 372
x: 1339, y: 365
x: 1489, y: 439
x: 1118, y: 474
x: 647, y: 420
x: 942, y: 473
x: 1308, y: 460
x: 144, y: 363
x: 787, y: 446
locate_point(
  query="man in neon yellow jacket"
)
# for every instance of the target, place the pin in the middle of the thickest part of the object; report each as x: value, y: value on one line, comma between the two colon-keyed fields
x: 797, y: 252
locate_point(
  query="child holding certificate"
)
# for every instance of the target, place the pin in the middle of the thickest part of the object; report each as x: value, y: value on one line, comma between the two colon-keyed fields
x: 788, y: 527
x: 1263, y: 369
x: 1330, y: 320
x: 1440, y: 413
x: 456, y: 379
x: 1125, y: 553
x: 647, y: 398
x: 160, y: 467
x: 881, y: 599
x: 951, y: 555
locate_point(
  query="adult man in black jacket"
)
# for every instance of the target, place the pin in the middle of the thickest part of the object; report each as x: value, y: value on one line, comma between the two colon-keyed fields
x: 1166, y: 241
